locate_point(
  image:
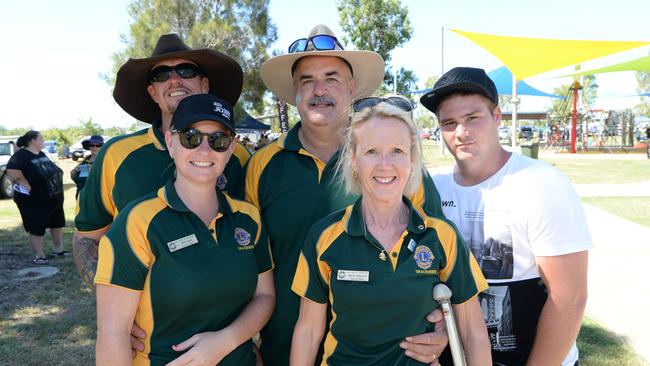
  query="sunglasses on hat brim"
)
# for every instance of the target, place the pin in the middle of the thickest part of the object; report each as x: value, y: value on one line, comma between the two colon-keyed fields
x: 191, y: 138
x: 369, y: 102
x: 161, y: 74
x: 321, y: 42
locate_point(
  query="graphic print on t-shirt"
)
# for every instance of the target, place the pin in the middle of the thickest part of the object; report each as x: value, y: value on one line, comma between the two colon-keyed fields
x: 497, y: 311
x: 51, y: 174
x: 494, y: 255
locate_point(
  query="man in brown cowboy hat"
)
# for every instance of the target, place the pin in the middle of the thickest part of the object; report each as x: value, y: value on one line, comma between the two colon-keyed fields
x: 291, y: 180
x: 132, y: 165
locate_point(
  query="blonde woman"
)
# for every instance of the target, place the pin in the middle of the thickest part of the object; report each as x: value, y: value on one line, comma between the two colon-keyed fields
x: 376, y: 262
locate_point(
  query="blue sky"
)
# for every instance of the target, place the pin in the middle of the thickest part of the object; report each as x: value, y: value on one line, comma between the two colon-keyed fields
x: 53, y: 52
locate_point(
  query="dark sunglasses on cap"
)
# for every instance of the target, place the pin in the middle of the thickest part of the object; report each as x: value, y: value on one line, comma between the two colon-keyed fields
x: 368, y: 102
x: 191, y: 139
x: 321, y: 42
x: 185, y: 71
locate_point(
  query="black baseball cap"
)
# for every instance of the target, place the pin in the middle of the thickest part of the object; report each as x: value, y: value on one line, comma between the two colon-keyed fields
x: 463, y: 80
x: 202, y: 107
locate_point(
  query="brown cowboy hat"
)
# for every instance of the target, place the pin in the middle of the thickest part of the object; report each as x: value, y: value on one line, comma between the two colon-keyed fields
x: 225, y: 75
x: 367, y: 68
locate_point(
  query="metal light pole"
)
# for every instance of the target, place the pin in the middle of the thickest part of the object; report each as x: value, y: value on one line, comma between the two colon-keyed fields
x: 514, y: 102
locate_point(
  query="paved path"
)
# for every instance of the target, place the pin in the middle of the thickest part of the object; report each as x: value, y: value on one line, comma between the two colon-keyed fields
x: 641, y: 189
x: 619, y: 295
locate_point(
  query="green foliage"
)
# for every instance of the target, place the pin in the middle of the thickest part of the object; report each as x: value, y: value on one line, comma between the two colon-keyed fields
x: 380, y: 26
x: 643, y: 86
x: 241, y: 29
x: 14, y: 131
x: 406, y: 80
x: 423, y: 117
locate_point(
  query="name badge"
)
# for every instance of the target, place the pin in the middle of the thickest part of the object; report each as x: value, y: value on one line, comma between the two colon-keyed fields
x: 412, y: 245
x: 354, y: 276
x: 181, y: 243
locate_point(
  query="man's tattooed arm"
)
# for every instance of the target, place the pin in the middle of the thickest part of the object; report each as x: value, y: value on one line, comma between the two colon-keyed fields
x: 85, y: 247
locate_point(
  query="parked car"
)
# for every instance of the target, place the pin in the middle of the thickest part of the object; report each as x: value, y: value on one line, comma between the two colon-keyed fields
x: 504, y: 133
x: 6, y: 184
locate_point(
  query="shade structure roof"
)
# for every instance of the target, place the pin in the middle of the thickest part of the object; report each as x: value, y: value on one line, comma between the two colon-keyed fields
x: 502, y: 78
x: 246, y: 122
x: 527, y: 57
x: 640, y: 64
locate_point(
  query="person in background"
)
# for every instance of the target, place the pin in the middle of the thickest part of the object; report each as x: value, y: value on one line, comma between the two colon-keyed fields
x: 38, y: 194
x: 375, y: 262
x: 522, y: 220
x: 79, y: 173
x: 189, y: 263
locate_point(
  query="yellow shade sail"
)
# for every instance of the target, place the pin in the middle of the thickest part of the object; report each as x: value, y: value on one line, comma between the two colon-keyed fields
x: 527, y: 57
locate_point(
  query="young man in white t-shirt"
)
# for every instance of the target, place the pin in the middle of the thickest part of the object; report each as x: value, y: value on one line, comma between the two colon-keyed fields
x: 521, y: 219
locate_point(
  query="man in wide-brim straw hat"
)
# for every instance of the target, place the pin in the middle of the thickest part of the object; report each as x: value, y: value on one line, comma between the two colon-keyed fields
x: 129, y: 166
x: 292, y: 179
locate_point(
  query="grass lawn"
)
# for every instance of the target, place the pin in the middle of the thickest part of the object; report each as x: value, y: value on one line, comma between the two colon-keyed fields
x: 635, y: 209
x: 52, y: 321
x: 592, y: 171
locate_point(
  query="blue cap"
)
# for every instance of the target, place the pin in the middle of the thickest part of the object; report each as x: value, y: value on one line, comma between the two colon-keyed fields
x: 202, y: 107
x: 93, y: 140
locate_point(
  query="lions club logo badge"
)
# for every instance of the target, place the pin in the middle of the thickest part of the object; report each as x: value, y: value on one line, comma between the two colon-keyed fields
x: 242, y: 237
x: 423, y: 256
x: 222, y: 181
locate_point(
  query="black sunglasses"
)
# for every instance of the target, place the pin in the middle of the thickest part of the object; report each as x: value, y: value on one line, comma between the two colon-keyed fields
x: 368, y: 102
x: 321, y: 42
x: 191, y: 139
x: 95, y: 145
x: 185, y: 71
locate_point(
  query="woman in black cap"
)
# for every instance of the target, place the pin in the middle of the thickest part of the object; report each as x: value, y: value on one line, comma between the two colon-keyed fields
x: 188, y: 263
x: 38, y: 194
x: 79, y: 174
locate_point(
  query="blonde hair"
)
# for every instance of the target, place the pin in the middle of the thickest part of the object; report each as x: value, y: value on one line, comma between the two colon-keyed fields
x: 383, y: 109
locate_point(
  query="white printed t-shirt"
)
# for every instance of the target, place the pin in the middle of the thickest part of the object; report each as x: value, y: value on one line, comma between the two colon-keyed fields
x: 526, y: 209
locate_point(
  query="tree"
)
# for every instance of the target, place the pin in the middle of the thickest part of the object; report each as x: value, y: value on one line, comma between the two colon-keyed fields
x: 563, y: 108
x: 380, y: 26
x: 423, y: 117
x: 241, y: 29
x: 643, y: 86
x: 88, y: 127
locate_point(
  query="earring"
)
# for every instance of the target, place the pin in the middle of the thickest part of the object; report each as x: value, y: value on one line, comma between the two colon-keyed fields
x: 355, y: 175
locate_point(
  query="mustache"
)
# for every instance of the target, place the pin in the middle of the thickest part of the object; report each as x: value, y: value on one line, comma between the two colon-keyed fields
x: 322, y: 99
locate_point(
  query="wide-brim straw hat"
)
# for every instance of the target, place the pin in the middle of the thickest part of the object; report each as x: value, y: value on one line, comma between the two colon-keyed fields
x: 367, y: 68
x: 225, y: 76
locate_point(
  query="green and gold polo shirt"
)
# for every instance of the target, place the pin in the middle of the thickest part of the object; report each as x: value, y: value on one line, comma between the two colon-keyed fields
x: 379, y: 298
x: 193, y: 278
x: 130, y: 166
x: 293, y: 189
